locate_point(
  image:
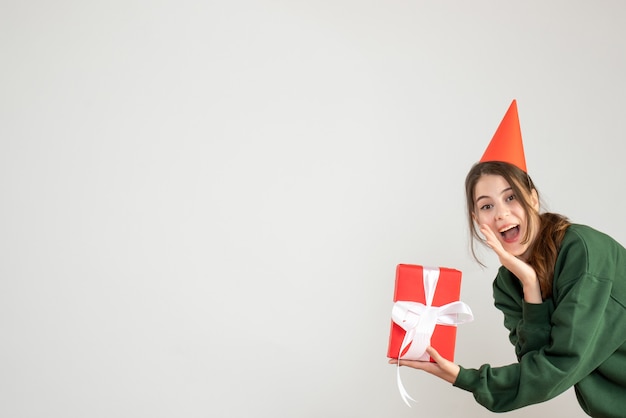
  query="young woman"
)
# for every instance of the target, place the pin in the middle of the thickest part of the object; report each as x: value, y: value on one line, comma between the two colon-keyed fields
x: 562, y: 290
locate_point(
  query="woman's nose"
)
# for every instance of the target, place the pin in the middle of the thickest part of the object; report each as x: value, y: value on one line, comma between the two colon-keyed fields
x: 502, y: 212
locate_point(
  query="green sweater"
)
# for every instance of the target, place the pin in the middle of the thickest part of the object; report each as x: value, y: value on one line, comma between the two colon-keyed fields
x: 576, y: 338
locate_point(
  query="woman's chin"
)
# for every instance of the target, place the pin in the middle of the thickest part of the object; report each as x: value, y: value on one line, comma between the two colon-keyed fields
x: 515, y: 249
x: 520, y: 252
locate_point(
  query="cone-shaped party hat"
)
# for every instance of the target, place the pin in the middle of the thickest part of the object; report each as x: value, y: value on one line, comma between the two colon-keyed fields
x: 506, y: 144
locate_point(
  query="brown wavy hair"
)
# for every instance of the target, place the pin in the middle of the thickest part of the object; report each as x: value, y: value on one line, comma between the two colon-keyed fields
x: 551, y: 227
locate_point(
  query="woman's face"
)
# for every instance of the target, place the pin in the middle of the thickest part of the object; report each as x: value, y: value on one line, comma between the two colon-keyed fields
x: 497, y: 207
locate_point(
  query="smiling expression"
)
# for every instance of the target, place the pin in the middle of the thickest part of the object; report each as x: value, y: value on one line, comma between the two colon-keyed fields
x: 497, y: 206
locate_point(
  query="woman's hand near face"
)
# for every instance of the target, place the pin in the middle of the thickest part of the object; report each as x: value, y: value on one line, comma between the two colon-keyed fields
x: 522, y: 270
x: 442, y: 368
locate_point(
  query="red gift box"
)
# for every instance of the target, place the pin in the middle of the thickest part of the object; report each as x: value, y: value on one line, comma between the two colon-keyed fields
x: 410, y: 286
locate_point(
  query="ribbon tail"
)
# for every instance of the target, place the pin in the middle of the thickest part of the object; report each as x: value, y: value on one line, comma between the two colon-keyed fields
x: 403, y: 393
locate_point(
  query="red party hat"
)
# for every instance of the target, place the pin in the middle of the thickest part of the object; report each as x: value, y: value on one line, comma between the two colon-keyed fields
x: 506, y: 144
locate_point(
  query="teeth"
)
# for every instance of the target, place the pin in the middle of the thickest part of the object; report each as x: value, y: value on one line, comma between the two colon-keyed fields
x: 508, y: 228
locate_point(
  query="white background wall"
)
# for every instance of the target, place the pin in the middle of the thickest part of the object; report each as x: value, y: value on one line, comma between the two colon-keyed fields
x: 203, y: 202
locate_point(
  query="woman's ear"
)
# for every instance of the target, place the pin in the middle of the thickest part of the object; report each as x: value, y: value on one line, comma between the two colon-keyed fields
x: 534, y: 199
x: 474, y: 217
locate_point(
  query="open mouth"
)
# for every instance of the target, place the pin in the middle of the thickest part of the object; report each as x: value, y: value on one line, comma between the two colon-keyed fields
x: 510, y: 233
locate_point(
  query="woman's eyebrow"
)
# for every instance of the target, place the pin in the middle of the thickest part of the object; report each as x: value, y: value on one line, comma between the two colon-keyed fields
x: 486, y: 197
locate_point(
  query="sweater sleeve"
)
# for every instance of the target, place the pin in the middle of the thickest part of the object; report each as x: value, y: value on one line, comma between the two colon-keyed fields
x: 528, y: 323
x: 581, y: 336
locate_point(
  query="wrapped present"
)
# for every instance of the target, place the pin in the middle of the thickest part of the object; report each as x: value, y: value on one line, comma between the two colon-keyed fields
x: 426, y: 312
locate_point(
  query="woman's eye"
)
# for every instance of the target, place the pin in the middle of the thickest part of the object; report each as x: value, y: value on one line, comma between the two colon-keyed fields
x: 512, y: 197
x: 485, y: 207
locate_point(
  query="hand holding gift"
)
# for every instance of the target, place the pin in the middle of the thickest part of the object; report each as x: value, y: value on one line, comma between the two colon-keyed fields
x: 425, y: 314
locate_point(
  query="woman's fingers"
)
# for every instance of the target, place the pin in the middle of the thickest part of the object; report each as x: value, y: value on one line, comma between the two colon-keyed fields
x: 492, y: 240
x: 434, y: 354
x: 442, y: 367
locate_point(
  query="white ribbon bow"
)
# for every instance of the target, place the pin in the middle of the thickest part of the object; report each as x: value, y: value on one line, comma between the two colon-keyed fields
x: 419, y: 321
